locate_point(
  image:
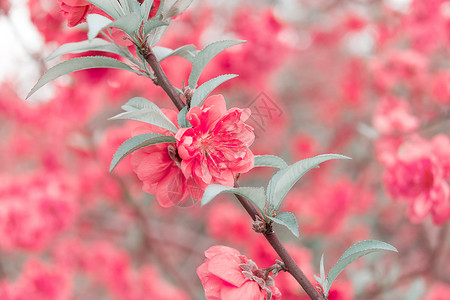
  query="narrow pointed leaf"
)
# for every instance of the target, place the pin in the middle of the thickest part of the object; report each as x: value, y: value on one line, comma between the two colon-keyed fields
x: 353, y: 253
x: 177, y: 8
x: 204, y: 56
x: 155, y: 30
x: 83, y: 46
x: 205, y: 89
x: 128, y: 23
x: 106, y: 6
x: 187, y: 51
x: 138, y: 142
x: 255, y: 194
x: 287, y: 219
x: 182, y: 121
x: 96, y: 24
x: 138, y: 103
x: 78, y: 64
x: 146, y: 7
x: 150, y: 116
x: 284, y: 180
x: 270, y: 161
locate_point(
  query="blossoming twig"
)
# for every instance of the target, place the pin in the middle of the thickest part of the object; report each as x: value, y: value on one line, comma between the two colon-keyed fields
x: 270, y: 235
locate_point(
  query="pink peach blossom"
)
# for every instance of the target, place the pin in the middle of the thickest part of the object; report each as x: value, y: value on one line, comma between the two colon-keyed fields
x: 75, y: 11
x: 228, y: 275
x: 215, y: 149
x: 158, y: 167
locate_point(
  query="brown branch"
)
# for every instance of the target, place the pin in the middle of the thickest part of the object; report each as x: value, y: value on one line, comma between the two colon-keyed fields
x: 161, y: 77
x: 276, y: 244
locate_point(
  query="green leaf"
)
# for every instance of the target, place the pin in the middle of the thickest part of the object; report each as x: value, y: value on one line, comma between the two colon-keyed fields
x: 78, y: 64
x: 255, y: 194
x: 83, y: 46
x: 177, y: 8
x: 270, y: 161
x: 284, y: 180
x: 205, y: 89
x: 128, y: 23
x: 353, y: 253
x: 150, y: 116
x: 154, y: 29
x: 138, y: 103
x: 204, y: 56
x: 96, y: 24
x: 138, y: 142
x: 107, y: 6
x: 287, y: 219
x: 146, y: 7
x: 188, y: 52
x: 182, y: 121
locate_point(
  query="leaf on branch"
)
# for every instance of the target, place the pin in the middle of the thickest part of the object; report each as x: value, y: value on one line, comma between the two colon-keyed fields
x: 182, y: 121
x: 353, y: 253
x: 138, y: 142
x: 177, y: 8
x: 78, y: 64
x: 270, y: 161
x: 204, y: 56
x: 284, y: 180
x: 83, y: 46
x: 187, y: 51
x: 146, y: 7
x: 287, y: 219
x: 205, y: 89
x: 155, y: 29
x: 107, y: 6
x: 138, y: 103
x: 128, y: 23
x: 148, y: 115
x: 96, y: 23
x: 256, y: 195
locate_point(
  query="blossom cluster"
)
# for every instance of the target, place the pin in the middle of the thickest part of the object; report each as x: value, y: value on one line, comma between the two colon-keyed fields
x: 214, y: 150
x: 366, y: 78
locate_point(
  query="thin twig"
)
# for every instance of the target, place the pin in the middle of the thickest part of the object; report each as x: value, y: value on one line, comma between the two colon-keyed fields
x: 271, y: 236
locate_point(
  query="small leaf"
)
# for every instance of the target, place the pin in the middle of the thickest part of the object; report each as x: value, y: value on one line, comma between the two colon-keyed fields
x: 255, y: 194
x: 353, y: 253
x: 287, y: 219
x: 138, y: 142
x: 153, y: 24
x: 177, y: 8
x: 322, y: 268
x: 284, y: 180
x: 148, y: 115
x: 204, y: 56
x: 205, y: 89
x: 107, y: 6
x: 270, y: 161
x: 83, y: 46
x: 78, y: 64
x: 128, y: 23
x: 182, y: 121
x: 146, y: 7
x: 187, y: 51
x: 138, y: 103
x: 96, y: 24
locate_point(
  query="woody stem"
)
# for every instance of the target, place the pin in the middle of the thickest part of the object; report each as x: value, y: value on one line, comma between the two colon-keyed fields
x: 270, y: 235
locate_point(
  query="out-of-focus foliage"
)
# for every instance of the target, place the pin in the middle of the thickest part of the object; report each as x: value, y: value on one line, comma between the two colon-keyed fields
x: 369, y: 79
